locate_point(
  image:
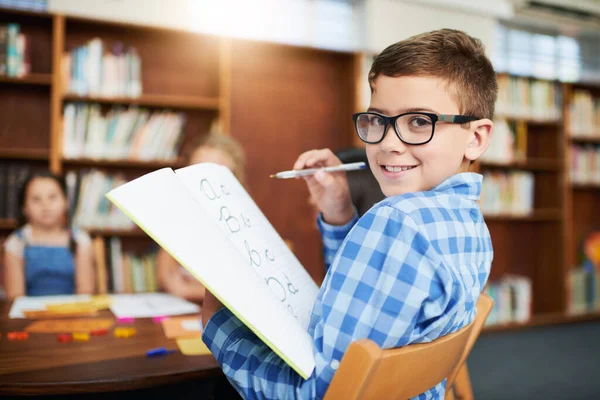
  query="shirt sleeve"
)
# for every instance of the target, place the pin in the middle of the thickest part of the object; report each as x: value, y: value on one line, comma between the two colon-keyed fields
x: 333, y: 236
x: 82, y: 239
x: 14, y: 245
x: 375, y: 289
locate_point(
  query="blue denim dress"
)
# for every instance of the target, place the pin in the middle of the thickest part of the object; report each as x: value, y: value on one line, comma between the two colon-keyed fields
x: 49, y: 270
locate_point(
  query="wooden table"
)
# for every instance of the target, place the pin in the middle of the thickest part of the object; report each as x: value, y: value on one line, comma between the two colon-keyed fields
x: 42, y: 365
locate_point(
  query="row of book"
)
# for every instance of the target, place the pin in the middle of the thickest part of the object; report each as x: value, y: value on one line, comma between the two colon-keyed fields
x: 584, y: 114
x: 585, y: 164
x: 14, y: 51
x: 507, y: 193
x: 512, y: 297
x: 123, y: 133
x: 508, y: 143
x: 12, y: 177
x: 95, y: 69
x: 528, y: 98
x: 34, y: 5
x: 583, y: 290
x: 90, y: 208
x: 124, y: 272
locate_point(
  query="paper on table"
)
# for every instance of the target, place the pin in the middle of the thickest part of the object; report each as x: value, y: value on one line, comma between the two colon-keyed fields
x: 182, y: 327
x: 193, y: 346
x: 39, y: 303
x: 148, y: 305
x: 160, y: 204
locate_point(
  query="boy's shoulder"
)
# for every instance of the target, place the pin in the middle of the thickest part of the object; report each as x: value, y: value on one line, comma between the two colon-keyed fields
x: 452, y: 200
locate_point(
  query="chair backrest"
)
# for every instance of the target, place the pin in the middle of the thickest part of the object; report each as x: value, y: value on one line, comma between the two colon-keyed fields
x: 484, y: 306
x: 368, y: 372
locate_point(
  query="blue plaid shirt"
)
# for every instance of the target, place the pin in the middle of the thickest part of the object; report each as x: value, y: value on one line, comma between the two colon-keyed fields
x: 409, y: 271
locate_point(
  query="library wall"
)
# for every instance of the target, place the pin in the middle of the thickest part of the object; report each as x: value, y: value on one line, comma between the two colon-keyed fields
x: 285, y: 101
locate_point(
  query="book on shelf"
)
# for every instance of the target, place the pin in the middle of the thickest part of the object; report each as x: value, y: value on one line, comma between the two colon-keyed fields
x: 583, y: 281
x: 585, y: 164
x: 33, y: 5
x: 14, y: 51
x: 512, y: 300
x: 12, y: 177
x: 207, y: 221
x: 509, y: 193
x: 528, y: 98
x: 89, y: 207
x: 584, y: 114
x: 508, y: 143
x: 96, y: 69
x: 131, y: 133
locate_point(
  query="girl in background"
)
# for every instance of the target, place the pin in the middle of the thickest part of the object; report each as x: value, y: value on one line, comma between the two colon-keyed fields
x: 212, y: 148
x: 44, y: 256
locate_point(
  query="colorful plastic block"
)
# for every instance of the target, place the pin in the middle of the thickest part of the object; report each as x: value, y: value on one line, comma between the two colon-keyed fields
x: 81, y: 337
x: 17, y: 335
x: 126, y: 320
x: 64, y: 337
x: 99, y: 332
x: 124, y: 332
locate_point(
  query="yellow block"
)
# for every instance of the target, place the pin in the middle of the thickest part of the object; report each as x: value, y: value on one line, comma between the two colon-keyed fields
x: 81, y: 337
x: 124, y: 332
x: 193, y: 346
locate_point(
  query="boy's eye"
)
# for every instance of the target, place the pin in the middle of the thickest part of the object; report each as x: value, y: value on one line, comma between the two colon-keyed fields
x: 420, y: 121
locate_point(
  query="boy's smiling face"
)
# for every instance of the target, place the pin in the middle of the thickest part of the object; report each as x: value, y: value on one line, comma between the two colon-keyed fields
x: 448, y: 153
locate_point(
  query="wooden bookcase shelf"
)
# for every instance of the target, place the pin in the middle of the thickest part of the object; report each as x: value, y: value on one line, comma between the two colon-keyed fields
x: 30, y: 79
x: 149, y: 100
x: 25, y: 154
x: 536, y: 216
x: 136, y: 233
x: 585, y: 139
x: 91, y: 162
x: 545, y: 320
x: 528, y: 165
x: 8, y: 224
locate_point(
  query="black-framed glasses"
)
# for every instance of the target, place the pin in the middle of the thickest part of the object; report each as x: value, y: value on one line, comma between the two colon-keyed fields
x: 412, y: 128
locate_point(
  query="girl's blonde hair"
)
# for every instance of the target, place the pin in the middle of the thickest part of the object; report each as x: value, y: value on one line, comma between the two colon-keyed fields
x: 227, y: 145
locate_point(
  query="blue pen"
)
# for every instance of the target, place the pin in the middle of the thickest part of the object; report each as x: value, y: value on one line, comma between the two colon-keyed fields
x: 159, y: 351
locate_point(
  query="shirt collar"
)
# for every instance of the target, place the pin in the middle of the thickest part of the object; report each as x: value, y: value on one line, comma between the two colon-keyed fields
x: 467, y: 184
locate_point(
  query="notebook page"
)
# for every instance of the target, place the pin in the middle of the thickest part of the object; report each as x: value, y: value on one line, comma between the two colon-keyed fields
x: 161, y: 205
x: 227, y: 202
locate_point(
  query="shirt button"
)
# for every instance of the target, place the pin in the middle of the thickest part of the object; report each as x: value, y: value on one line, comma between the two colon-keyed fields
x: 335, y: 364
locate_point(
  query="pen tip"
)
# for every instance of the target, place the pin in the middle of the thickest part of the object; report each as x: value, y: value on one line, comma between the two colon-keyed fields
x: 271, y: 176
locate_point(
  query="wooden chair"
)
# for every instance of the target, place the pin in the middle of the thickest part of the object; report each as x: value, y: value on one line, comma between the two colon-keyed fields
x: 458, y: 385
x: 368, y: 372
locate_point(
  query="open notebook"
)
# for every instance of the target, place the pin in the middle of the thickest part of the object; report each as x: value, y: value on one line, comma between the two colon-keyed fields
x: 205, y: 219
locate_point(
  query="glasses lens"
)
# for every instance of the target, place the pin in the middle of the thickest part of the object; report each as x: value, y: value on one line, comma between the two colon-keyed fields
x: 415, y: 128
x: 370, y: 127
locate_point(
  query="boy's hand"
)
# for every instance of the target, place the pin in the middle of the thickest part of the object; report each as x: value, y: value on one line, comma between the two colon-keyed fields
x: 330, y: 191
x: 210, y: 305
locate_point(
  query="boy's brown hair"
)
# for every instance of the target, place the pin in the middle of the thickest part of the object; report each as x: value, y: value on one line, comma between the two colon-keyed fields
x: 448, y: 54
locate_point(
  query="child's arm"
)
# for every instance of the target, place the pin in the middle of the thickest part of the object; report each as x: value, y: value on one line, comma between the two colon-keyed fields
x: 173, y: 281
x: 85, y: 280
x: 14, y: 278
x: 383, y: 285
x: 14, y: 267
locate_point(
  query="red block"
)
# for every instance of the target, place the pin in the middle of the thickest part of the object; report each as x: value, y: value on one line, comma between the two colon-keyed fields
x: 99, y: 332
x: 64, y: 337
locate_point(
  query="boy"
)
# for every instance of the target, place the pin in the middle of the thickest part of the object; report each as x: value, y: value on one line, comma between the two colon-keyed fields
x: 412, y: 268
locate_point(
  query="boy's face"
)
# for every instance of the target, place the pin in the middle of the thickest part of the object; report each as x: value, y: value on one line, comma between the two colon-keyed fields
x: 449, y: 151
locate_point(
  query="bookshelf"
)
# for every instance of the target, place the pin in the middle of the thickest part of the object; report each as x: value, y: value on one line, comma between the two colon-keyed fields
x: 207, y: 79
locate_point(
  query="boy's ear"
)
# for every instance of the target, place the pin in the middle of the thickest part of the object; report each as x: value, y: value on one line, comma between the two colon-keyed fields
x: 479, y: 138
